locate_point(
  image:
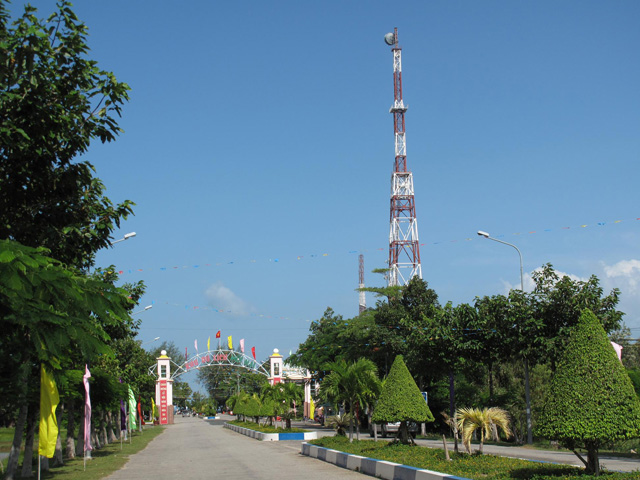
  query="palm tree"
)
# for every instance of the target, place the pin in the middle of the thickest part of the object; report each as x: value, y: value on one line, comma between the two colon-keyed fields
x: 356, y: 384
x: 469, y: 419
x: 339, y: 423
x: 286, y: 397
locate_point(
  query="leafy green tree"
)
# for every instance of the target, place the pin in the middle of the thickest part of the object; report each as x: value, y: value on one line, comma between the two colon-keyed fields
x: 401, y: 401
x: 47, y: 311
x: 321, y: 346
x: 356, y: 384
x: 591, y: 400
x: 560, y: 302
x: 409, y: 310
x: 252, y: 408
x: 54, y: 102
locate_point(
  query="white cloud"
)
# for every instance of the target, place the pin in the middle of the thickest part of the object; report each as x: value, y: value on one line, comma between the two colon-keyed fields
x: 625, y: 271
x: 224, y: 298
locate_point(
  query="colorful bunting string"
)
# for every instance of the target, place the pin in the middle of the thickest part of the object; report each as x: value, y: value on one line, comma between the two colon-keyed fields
x: 352, y: 252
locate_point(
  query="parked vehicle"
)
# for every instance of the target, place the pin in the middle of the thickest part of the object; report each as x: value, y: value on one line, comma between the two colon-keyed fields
x: 391, y: 428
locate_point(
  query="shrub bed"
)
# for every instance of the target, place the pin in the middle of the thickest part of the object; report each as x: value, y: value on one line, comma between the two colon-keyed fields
x: 475, y: 467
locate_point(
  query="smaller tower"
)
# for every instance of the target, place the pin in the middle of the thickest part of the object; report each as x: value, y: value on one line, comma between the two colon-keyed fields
x: 363, y: 302
x: 276, y: 361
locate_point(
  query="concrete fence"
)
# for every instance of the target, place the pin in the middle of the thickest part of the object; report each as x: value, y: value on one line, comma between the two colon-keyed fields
x: 370, y: 466
x: 272, y: 437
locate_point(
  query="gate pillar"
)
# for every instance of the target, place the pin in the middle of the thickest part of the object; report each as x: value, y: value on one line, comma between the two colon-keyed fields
x: 276, y: 361
x: 164, y: 389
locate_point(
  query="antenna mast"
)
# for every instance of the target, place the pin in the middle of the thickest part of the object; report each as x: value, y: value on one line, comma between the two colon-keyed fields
x: 404, y: 249
x: 363, y: 304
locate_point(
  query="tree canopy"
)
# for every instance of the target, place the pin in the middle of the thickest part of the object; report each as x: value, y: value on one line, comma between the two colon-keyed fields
x: 54, y: 102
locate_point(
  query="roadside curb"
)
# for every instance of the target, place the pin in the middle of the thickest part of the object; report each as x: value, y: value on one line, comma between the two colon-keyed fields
x: 373, y: 467
x: 272, y: 437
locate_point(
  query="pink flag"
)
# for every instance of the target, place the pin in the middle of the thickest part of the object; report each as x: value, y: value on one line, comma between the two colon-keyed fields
x: 242, y: 345
x: 253, y: 352
x: 87, y: 411
x: 195, y: 343
x: 618, y: 349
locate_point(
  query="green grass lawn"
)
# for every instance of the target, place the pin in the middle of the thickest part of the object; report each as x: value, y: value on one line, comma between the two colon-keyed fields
x: 104, y: 461
x: 476, y: 467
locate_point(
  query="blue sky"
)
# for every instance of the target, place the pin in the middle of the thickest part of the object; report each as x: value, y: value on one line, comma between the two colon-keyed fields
x: 259, y: 132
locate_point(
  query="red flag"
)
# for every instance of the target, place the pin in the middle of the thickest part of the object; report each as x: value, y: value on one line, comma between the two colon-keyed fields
x: 218, y: 334
x: 140, y: 416
x: 253, y: 352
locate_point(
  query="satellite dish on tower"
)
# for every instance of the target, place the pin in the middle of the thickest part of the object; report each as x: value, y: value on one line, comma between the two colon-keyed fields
x: 389, y: 39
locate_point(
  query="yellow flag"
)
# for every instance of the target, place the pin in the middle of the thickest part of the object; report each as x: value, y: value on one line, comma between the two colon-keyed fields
x: 153, y: 410
x: 230, y: 342
x: 49, y: 399
x: 209, y: 343
x: 312, y: 409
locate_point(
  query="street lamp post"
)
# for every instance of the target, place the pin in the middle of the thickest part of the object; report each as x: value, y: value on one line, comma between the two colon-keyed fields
x: 486, y: 235
x: 127, y: 236
x: 143, y: 310
x: 150, y: 341
x: 527, y: 391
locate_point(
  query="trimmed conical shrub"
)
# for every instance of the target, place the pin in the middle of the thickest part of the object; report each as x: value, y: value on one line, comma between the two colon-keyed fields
x: 401, y: 399
x: 591, y: 400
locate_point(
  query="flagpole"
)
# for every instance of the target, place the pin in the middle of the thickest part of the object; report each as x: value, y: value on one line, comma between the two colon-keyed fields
x: 39, y: 457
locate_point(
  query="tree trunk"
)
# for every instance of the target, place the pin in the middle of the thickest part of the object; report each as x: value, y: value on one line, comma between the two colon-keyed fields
x: 491, y: 384
x: 446, y: 449
x: 111, y: 436
x: 452, y: 407
x: 27, y: 460
x: 403, y: 434
x: 527, y: 394
x: 14, y: 454
x: 71, y: 426
x: 95, y: 441
x: 104, y: 438
x: 57, y: 456
x: 593, y: 462
x: 80, y: 438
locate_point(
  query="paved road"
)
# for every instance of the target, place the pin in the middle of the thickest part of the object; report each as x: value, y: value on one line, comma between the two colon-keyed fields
x: 196, y: 449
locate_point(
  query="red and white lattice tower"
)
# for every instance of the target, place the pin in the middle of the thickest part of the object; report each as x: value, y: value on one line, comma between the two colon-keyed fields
x: 404, y: 249
x: 363, y: 304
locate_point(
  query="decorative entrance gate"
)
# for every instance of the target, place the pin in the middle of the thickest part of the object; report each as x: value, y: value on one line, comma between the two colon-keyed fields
x: 165, y: 374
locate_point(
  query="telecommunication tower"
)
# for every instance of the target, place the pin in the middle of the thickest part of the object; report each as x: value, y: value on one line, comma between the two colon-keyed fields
x: 363, y: 304
x: 404, y: 249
